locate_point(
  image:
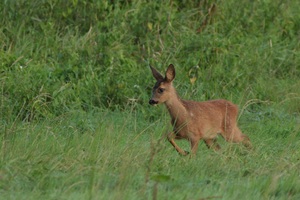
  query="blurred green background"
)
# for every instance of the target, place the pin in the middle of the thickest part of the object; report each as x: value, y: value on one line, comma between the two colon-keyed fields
x: 57, y: 56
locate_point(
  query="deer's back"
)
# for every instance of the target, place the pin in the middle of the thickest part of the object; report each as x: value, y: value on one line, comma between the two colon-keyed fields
x: 212, y: 107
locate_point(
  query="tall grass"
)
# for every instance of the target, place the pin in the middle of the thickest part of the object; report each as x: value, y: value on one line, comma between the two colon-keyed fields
x: 74, y: 86
x: 86, y: 55
x: 113, y: 155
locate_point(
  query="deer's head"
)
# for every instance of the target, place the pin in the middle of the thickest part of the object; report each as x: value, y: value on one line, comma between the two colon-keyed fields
x: 163, y: 89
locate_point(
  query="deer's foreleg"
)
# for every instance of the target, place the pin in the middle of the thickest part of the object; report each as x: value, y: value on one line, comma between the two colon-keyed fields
x: 171, y: 138
x: 212, y: 144
x: 194, y: 146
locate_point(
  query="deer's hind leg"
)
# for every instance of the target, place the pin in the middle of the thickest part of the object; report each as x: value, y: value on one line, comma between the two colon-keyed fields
x: 235, y: 135
x: 240, y: 137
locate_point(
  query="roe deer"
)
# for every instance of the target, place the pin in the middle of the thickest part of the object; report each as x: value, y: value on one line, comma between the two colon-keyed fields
x: 196, y: 120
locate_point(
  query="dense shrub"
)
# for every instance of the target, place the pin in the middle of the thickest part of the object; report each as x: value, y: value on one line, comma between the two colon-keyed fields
x: 57, y: 56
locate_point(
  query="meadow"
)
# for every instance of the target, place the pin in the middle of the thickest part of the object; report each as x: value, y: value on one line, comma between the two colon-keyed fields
x: 75, y: 83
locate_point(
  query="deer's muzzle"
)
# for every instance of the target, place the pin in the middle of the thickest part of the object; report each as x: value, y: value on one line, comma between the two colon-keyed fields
x: 153, y: 102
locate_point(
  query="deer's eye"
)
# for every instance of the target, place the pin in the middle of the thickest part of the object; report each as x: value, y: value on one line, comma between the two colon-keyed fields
x: 161, y: 90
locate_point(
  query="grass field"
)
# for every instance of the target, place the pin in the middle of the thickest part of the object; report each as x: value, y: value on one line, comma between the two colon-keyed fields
x: 121, y: 155
x: 74, y: 84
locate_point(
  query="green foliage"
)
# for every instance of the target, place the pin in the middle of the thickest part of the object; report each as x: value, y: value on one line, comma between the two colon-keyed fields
x: 120, y: 155
x: 95, y: 54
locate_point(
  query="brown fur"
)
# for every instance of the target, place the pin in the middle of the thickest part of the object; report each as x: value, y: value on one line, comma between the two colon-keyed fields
x: 193, y: 120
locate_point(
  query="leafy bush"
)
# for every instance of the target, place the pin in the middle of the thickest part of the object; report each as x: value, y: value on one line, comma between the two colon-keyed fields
x: 89, y: 55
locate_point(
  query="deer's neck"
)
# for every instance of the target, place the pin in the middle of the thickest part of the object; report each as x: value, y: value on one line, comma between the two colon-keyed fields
x: 177, y: 109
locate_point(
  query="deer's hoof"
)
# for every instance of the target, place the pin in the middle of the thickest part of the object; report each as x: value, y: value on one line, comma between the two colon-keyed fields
x: 185, y: 153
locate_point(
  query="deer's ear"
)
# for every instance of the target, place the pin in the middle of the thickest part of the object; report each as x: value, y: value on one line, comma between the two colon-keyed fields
x: 170, y: 73
x: 156, y: 74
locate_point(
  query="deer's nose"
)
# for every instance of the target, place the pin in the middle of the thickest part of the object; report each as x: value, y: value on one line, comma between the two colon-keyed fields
x: 152, y: 102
